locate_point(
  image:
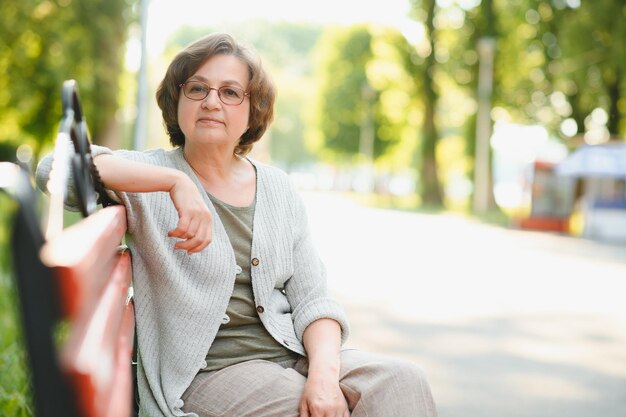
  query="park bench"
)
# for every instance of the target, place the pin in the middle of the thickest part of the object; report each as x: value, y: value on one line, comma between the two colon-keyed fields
x: 74, y: 284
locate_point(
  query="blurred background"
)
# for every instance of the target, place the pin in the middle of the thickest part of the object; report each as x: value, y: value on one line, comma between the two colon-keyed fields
x: 467, y: 156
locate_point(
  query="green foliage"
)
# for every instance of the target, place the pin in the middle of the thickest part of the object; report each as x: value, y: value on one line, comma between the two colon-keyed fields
x: 344, y: 54
x: 15, y: 397
x: 552, y: 51
x: 395, y: 89
x: 43, y: 43
x: 286, y: 49
x: 591, y: 60
x: 357, y: 68
x: 8, y: 150
x: 523, y: 77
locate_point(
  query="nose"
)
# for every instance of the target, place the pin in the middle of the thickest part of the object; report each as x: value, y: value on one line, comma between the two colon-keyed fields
x: 212, y: 99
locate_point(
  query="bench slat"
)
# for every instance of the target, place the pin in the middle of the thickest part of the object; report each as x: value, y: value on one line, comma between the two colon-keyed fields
x: 85, y: 249
x: 122, y: 393
x: 99, y: 343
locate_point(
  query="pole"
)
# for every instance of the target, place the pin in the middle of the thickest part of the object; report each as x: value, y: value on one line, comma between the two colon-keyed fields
x: 141, y: 122
x: 482, y: 160
x: 366, y: 137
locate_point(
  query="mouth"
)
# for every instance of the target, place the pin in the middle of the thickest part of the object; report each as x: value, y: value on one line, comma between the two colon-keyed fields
x: 210, y: 121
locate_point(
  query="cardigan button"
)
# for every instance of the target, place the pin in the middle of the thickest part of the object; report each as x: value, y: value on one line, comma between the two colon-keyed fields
x: 260, y: 309
x: 255, y: 261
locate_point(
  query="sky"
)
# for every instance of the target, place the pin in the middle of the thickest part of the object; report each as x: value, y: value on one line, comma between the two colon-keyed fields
x: 166, y: 16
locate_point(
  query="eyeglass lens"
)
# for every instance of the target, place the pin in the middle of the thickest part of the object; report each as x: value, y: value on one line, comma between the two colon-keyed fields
x: 196, y: 90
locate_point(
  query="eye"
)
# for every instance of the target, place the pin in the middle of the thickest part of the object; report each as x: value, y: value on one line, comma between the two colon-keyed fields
x: 231, y: 92
x: 196, y: 88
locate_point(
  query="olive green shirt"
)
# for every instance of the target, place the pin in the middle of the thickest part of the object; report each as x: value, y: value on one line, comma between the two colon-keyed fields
x: 242, y: 336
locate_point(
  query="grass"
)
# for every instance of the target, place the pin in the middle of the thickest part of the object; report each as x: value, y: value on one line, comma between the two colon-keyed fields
x: 15, y: 396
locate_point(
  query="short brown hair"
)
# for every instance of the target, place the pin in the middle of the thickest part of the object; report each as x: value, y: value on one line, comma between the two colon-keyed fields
x: 187, y: 62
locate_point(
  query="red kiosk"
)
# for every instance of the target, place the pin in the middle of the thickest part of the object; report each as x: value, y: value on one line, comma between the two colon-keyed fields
x: 551, y: 199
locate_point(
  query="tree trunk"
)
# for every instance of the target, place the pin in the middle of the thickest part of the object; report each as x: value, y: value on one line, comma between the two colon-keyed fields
x: 614, y: 98
x: 430, y: 190
x: 483, y: 196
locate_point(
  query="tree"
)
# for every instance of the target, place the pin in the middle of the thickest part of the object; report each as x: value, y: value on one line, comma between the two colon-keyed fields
x: 43, y: 43
x: 430, y: 187
x: 561, y: 60
x: 343, y: 56
x: 363, y: 86
x: 591, y: 66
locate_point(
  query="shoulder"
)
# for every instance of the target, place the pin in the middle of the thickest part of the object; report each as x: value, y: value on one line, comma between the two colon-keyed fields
x: 273, y: 176
x: 276, y: 185
x: 157, y: 156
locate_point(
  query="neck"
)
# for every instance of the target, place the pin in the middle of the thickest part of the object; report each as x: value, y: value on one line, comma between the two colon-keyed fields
x: 212, y: 166
x: 228, y: 177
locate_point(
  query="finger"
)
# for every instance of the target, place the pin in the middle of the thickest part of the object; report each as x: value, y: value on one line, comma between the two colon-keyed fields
x: 185, y: 245
x: 189, y: 224
x: 177, y: 233
x: 189, y: 244
x: 200, y: 241
x: 187, y: 227
x: 304, y: 411
x: 318, y: 411
x: 181, y: 229
x: 199, y: 248
x: 193, y: 228
x: 203, y: 238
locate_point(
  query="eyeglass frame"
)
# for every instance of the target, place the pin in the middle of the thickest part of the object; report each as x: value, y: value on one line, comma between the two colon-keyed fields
x: 209, y: 88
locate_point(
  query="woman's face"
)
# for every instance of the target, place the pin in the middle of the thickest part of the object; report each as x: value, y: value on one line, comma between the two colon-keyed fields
x: 210, y: 121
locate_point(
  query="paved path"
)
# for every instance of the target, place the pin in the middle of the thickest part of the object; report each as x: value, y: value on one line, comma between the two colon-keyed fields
x: 505, y: 322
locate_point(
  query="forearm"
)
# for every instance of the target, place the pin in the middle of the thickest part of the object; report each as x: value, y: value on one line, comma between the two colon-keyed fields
x: 194, y: 218
x: 121, y: 174
x: 322, y: 341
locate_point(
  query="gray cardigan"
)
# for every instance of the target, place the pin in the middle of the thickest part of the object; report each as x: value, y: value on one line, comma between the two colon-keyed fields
x: 180, y: 299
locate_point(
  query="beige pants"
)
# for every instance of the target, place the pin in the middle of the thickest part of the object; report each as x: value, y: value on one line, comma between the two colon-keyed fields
x: 374, y: 386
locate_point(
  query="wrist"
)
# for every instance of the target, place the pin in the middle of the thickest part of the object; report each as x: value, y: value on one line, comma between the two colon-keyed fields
x: 177, y: 179
x: 325, y: 368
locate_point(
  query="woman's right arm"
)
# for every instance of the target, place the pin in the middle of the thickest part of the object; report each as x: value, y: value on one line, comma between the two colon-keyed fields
x: 194, y: 217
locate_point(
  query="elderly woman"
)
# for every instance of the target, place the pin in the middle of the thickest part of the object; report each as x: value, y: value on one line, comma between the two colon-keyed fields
x: 232, y: 310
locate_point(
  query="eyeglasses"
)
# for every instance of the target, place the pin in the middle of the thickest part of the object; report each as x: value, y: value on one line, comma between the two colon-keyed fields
x: 229, y: 95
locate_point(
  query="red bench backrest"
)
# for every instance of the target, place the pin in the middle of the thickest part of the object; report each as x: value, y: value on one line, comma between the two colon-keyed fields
x: 93, y: 276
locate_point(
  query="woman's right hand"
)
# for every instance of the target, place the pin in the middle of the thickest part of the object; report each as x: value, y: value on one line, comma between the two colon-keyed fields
x: 194, y: 226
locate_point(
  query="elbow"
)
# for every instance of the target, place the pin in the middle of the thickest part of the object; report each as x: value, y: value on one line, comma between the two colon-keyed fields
x: 42, y: 173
